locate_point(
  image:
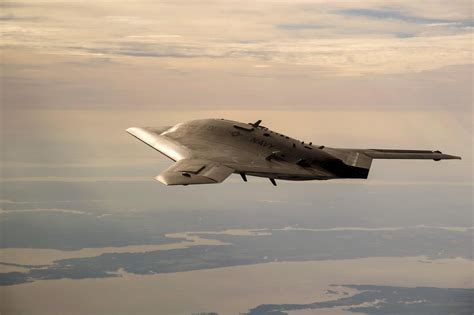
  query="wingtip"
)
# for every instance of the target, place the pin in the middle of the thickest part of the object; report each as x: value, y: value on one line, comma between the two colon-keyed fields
x: 453, y: 157
x: 447, y: 156
x: 450, y: 157
x: 160, y: 179
x: 130, y: 129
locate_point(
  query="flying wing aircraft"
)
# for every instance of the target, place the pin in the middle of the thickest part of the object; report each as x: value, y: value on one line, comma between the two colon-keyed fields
x: 208, y: 151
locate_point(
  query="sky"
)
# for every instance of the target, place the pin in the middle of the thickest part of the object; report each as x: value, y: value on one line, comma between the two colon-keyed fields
x: 381, y: 74
x: 287, y: 55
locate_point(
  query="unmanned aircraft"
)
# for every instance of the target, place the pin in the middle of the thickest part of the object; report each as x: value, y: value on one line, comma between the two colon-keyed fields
x: 207, y: 151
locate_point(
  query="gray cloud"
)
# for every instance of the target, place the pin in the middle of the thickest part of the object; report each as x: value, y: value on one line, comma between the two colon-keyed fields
x: 302, y: 26
x: 391, y: 14
x: 225, y: 57
x: 13, y: 4
x: 40, y: 210
x: 16, y: 18
x: 343, y: 46
x: 139, y: 49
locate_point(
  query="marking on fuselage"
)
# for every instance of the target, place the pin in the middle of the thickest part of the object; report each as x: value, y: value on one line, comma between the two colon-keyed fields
x: 261, y: 142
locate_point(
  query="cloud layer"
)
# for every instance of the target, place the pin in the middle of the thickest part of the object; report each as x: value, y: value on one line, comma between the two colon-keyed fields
x: 345, y: 39
x: 213, y: 53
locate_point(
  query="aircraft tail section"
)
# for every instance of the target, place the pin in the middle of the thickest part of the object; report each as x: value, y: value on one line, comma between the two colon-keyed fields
x: 356, y: 163
x: 346, y: 163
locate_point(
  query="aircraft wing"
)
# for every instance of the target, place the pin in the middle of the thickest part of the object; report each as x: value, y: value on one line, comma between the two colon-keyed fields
x: 194, y: 171
x: 408, y: 154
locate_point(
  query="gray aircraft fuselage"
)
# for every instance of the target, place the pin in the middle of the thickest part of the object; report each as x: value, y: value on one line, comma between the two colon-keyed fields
x: 209, y: 150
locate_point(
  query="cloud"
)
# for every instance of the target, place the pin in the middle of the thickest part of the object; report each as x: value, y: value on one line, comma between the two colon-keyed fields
x: 70, y: 179
x: 308, y: 26
x: 12, y: 17
x: 272, y: 201
x: 405, y: 35
x: 389, y: 14
x: 141, y: 49
x: 292, y: 34
x: 12, y: 4
x: 131, y: 20
x: 149, y: 53
x: 405, y: 53
x: 69, y: 211
x: 7, y: 201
